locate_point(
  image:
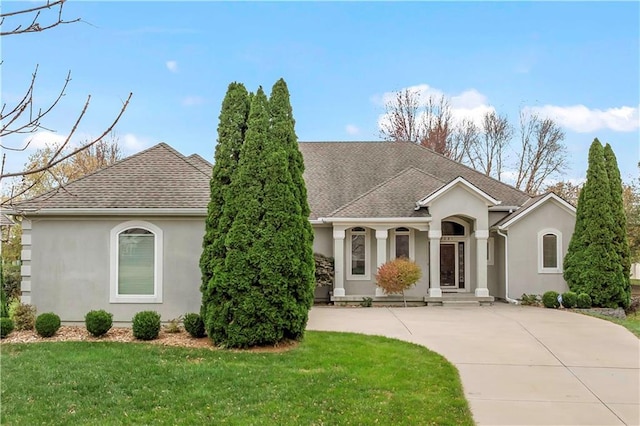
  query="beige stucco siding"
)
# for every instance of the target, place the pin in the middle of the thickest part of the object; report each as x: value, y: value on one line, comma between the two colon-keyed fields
x: 323, y: 240
x: 70, y: 267
x: 524, y: 275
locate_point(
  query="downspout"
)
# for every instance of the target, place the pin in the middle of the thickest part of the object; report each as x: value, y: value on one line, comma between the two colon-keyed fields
x: 506, y: 268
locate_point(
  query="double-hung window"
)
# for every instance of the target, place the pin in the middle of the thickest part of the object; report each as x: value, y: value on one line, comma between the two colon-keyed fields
x: 358, y: 254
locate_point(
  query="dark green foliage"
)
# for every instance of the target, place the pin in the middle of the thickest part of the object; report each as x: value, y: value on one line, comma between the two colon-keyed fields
x: 25, y: 317
x: 592, y: 264
x: 529, y: 299
x: 6, y: 327
x: 146, y: 325
x: 583, y: 301
x: 231, y: 131
x: 98, y: 323
x: 550, y: 299
x: 569, y: 299
x: 194, y: 325
x: 620, y: 241
x: 47, y: 324
x: 262, y: 293
x: 4, y: 306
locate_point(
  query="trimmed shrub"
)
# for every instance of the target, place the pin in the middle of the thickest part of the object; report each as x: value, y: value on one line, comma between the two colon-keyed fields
x: 98, y: 323
x: 24, y: 316
x: 194, y: 325
x: 583, y: 301
x: 529, y: 299
x: 6, y: 327
x: 550, y: 299
x: 569, y: 299
x: 146, y: 325
x: 47, y: 324
x: 4, y: 306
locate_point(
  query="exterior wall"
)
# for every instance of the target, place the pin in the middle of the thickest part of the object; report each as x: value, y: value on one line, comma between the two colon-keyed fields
x: 495, y: 273
x: 323, y: 240
x: 523, y: 250
x: 70, y: 267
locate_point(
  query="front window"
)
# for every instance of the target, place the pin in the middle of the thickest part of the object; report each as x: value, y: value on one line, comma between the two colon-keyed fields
x: 358, y: 254
x: 136, y: 263
x: 402, y: 244
x: 549, y: 251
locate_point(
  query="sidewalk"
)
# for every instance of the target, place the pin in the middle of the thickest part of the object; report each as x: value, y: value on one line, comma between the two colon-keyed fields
x: 519, y: 365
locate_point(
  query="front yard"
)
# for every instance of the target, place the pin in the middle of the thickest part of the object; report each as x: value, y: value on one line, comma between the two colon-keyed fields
x: 329, y: 378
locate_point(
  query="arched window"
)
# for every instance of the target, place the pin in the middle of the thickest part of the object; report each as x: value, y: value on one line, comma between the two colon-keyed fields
x: 402, y: 243
x: 452, y: 229
x: 358, y: 253
x: 549, y: 251
x: 136, y: 263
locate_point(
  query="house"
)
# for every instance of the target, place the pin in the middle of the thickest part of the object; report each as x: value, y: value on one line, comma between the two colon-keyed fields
x: 128, y: 237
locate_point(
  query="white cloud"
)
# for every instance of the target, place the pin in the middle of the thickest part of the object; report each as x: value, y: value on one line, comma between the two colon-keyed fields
x: 172, y: 66
x: 189, y: 101
x: 43, y: 138
x: 581, y: 119
x: 469, y: 104
x: 352, y: 129
x: 133, y: 143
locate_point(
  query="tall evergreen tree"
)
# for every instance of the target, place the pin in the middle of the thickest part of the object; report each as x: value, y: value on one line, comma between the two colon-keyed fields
x: 282, y: 131
x: 621, y: 241
x: 258, y: 299
x: 231, y: 131
x: 592, y: 264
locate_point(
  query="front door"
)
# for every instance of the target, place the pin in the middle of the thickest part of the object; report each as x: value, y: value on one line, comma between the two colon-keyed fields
x: 452, y: 265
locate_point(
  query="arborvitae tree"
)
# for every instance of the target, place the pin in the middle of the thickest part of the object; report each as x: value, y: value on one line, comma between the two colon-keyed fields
x: 231, y: 131
x: 258, y: 301
x: 621, y: 241
x: 282, y: 131
x: 593, y: 266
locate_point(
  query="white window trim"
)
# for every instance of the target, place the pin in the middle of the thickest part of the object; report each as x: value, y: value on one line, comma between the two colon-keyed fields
x: 490, y: 250
x: 412, y: 248
x: 156, y: 297
x: 367, y: 255
x: 541, y: 268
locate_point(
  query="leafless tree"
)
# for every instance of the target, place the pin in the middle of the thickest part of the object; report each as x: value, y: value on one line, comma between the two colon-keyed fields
x: 401, y: 122
x: 542, y: 153
x: 566, y: 190
x: 437, y: 125
x: 487, y: 155
x: 465, y: 137
x: 427, y: 123
x: 25, y: 117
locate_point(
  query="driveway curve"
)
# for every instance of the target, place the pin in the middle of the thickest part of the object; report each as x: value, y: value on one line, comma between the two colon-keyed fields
x: 519, y: 365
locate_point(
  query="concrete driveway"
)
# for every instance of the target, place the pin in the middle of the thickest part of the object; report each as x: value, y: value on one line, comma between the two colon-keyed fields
x: 519, y: 365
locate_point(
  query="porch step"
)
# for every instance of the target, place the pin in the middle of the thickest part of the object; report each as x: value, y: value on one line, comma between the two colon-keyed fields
x: 459, y: 299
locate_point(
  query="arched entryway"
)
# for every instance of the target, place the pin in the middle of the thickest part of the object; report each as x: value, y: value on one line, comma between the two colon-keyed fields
x: 454, y: 255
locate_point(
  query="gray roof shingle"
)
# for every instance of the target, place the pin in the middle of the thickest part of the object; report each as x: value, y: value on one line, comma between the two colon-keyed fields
x: 159, y: 177
x: 344, y: 179
x: 338, y: 172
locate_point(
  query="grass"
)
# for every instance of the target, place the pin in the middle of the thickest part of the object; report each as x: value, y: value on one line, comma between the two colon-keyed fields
x: 631, y: 323
x: 330, y: 378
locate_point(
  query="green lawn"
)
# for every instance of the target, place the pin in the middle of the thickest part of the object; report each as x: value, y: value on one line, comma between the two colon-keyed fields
x: 631, y: 323
x: 330, y: 378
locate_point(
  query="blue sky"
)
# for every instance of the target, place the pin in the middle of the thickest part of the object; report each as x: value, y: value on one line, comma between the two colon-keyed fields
x: 576, y: 62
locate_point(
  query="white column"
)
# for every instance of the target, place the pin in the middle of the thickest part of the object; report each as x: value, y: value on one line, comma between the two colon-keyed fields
x: 338, y: 262
x: 381, y: 254
x: 434, y: 263
x: 481, y: 261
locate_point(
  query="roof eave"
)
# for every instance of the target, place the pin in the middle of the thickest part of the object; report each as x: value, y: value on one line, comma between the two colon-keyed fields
x: 197, y: 212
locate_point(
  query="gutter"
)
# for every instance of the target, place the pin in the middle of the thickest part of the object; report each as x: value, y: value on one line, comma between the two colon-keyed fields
x: 506, y: 268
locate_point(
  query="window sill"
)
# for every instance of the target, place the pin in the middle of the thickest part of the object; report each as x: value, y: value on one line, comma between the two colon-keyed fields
x: 550, y: 271
x: 136, y: 299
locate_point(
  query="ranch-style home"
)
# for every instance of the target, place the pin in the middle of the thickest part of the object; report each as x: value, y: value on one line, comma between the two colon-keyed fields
x: 128, y: 237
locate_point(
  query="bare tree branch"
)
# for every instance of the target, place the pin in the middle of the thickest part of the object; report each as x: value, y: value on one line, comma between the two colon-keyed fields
x: 487, y: 155
x: 35, y: 25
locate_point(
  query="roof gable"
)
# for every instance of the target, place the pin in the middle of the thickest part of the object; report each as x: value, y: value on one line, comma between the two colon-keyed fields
x: 531, y: 206
x: 459, y: 182
x: 159, y: 177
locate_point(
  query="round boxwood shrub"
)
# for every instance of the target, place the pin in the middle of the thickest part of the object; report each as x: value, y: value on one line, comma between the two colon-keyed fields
x: 6, y: 327
x: 584, y: 301
x: 47, y: 324
x: 98, y: 322
x: 550, y: 299
x: 194, y: 325
x: 569, y: 299
x: 146, y: 325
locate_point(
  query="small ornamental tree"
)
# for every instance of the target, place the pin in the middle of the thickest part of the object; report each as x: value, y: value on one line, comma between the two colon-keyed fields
x: 398, y: 275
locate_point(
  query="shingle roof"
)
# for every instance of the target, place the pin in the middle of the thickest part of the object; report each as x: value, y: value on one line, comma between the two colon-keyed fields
x: 344, y: 179
x: 338, y: 172
x: 159, y: 177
